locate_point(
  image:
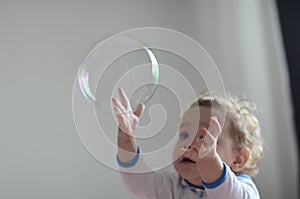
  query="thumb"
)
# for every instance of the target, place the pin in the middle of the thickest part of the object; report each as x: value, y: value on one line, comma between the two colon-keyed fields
x: 139, y: 111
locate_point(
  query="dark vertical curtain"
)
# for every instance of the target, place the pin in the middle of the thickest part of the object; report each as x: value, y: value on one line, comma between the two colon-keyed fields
x: 289, y: 14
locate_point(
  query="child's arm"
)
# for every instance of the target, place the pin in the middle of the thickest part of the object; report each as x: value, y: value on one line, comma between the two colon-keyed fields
x: 217, y: 178
x: 203, y: 151
x: 137, y: 175
x: 209, y: 163
x: 230, y: 186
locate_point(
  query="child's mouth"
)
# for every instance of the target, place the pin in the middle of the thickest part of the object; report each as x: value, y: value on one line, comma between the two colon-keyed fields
x: 187, y: 160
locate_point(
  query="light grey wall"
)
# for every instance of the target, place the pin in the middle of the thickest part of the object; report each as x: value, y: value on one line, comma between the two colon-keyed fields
x: 42, y: 46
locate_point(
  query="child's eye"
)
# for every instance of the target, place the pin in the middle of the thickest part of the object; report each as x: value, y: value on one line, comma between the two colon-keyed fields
x: 184, y: 135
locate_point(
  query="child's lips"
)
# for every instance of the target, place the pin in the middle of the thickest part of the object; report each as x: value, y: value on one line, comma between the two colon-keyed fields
x: 186, y: 160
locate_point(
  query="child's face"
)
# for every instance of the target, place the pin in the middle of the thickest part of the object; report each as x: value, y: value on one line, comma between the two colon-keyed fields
x: 191, y: 123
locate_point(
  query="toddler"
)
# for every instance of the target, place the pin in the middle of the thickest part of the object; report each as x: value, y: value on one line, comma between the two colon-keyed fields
x: 211, y: 162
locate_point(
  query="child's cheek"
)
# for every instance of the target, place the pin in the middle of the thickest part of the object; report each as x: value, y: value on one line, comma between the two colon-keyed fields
x: 176, y: 154
x: 176, y: 151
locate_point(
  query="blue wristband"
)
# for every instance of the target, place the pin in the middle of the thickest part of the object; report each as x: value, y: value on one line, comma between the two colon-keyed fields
x: 218, y: 182
x: 130, y: 163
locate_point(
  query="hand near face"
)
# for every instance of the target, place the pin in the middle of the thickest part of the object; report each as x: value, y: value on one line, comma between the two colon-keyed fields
x: 204, y: 145
x: 211, y: 135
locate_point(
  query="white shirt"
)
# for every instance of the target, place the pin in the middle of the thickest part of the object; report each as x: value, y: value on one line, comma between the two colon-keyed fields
x: 169, y: 185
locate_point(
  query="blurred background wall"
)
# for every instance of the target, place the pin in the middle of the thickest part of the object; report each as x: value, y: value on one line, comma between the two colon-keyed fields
x: 42, y: 44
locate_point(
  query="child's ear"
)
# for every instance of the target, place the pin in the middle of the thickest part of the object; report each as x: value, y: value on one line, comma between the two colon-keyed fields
x: 241, y: 158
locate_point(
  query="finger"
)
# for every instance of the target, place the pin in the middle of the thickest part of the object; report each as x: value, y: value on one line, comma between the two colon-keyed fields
x: 118, y: 104
x: 207, y: 138
x: 207, y: 145
x: 139, y: 111
x: 214, y: 127
x: 194, y: 145
x: 121, y: 118
x: 124, y: 98
x: 135, y: 120
x: 198, y: 140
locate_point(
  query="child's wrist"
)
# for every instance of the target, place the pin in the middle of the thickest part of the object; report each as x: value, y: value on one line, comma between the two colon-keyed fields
x: 128, y: 162
x: 127, y: 145
x: 126, y: 152
x: 211, y: 168
x: 212, y: 155
x: 125, y: 137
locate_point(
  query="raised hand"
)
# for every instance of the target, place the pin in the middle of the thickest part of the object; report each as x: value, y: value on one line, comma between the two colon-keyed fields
x: 128, y: 120
x: 204, y: 145
x: 211, y: 135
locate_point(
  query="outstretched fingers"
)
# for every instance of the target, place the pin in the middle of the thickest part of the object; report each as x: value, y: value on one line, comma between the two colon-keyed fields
x: 124, y: 99
x: 121, y: 117
x: 119, y: 105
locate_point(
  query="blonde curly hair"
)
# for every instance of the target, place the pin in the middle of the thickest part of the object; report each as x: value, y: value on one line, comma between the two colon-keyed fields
x: 246, y: 132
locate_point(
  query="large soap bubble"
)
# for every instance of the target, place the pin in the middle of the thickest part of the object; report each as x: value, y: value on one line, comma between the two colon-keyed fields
x: 101, y: 72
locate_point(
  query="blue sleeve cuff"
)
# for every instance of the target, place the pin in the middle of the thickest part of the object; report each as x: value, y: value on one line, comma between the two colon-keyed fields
x: 130, y: 163
x: 218, y: 182
x: 243, y: 176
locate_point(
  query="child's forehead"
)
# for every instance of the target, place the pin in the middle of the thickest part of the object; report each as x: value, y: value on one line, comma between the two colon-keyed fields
x: 202, y: 114
x: 196, y: 115
x: 198, y: 110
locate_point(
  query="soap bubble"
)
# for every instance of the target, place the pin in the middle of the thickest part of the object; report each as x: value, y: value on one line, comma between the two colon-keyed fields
x: 119, y: 61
